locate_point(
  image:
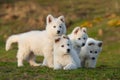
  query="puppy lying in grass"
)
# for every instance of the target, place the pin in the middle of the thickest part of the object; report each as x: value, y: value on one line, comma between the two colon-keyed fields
x: 65, y: 57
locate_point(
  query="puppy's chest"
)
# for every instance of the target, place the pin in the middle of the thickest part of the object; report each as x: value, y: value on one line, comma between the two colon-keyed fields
x: 77, y: 49
x: 86, y: 57
x: 64, y: 58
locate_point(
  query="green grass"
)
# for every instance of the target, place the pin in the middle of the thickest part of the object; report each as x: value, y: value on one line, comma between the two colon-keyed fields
x: 10, y: 71
x: 108, y: 64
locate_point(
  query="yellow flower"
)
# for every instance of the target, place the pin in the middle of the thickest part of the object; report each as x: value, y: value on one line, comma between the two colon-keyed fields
x: 114, y: 22
x: 86, y: 24
x: 118, y: 23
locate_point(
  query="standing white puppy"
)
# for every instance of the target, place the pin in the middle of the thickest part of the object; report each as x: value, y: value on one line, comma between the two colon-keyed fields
x: 78, y: 37
x: 89, y: 53
x: 64, y: 54
x: 38, y: 43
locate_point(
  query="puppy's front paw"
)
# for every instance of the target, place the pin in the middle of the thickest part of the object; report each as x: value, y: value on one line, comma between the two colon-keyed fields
x: 36, y: 64
x: 70, y: 66
x: 57, y: 67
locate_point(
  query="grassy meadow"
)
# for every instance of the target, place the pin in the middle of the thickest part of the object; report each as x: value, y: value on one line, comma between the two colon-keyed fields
x: 101, y: 18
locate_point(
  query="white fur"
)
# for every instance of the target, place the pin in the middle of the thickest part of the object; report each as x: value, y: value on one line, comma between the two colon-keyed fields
x: 89, y: 51
x: 78, y: 37
x: 63, y: 58
x: 38, y: 43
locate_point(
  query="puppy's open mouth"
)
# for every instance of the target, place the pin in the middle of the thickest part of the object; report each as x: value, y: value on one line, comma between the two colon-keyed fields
x: 66, y: 54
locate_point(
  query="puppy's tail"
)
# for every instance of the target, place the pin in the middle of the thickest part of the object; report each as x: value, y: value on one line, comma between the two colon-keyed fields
x: 10, y: 40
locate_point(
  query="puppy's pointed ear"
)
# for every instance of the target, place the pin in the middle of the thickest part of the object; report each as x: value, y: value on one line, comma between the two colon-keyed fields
x: 61, y: 18
x: 57, y: 40
x: 84, y: 29
x: 90, y: 44
x: 100, y: 43
x: 76, y: 30
x: 50, y: 18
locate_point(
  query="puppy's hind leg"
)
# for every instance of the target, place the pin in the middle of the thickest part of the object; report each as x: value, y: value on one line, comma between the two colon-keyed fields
x: 20, y: 58
x: 31, y: 60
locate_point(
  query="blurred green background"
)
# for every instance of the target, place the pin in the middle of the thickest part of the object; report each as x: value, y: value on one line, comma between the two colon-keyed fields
x: 101, y: 17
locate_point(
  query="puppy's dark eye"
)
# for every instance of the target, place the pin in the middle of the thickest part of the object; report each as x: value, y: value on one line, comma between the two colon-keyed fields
x: 90, y: 51
x: 79, y: 38
x: 62, y: 45
x: 60, y: 26
x: 54, y: 26
x: 84, y: 38
x: 96, y: 52
x: 68, y: 44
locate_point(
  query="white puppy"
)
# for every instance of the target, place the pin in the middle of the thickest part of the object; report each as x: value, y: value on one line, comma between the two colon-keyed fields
x: 64, y: 54
x: 35, y: 43
x: 89, y: 53
x: 78, y: 37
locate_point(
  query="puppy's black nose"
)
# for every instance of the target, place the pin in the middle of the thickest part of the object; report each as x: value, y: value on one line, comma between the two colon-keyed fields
x: 58, y: 32
x: 83, y: 44
x: 68, y: 50
x: 93, y: 58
